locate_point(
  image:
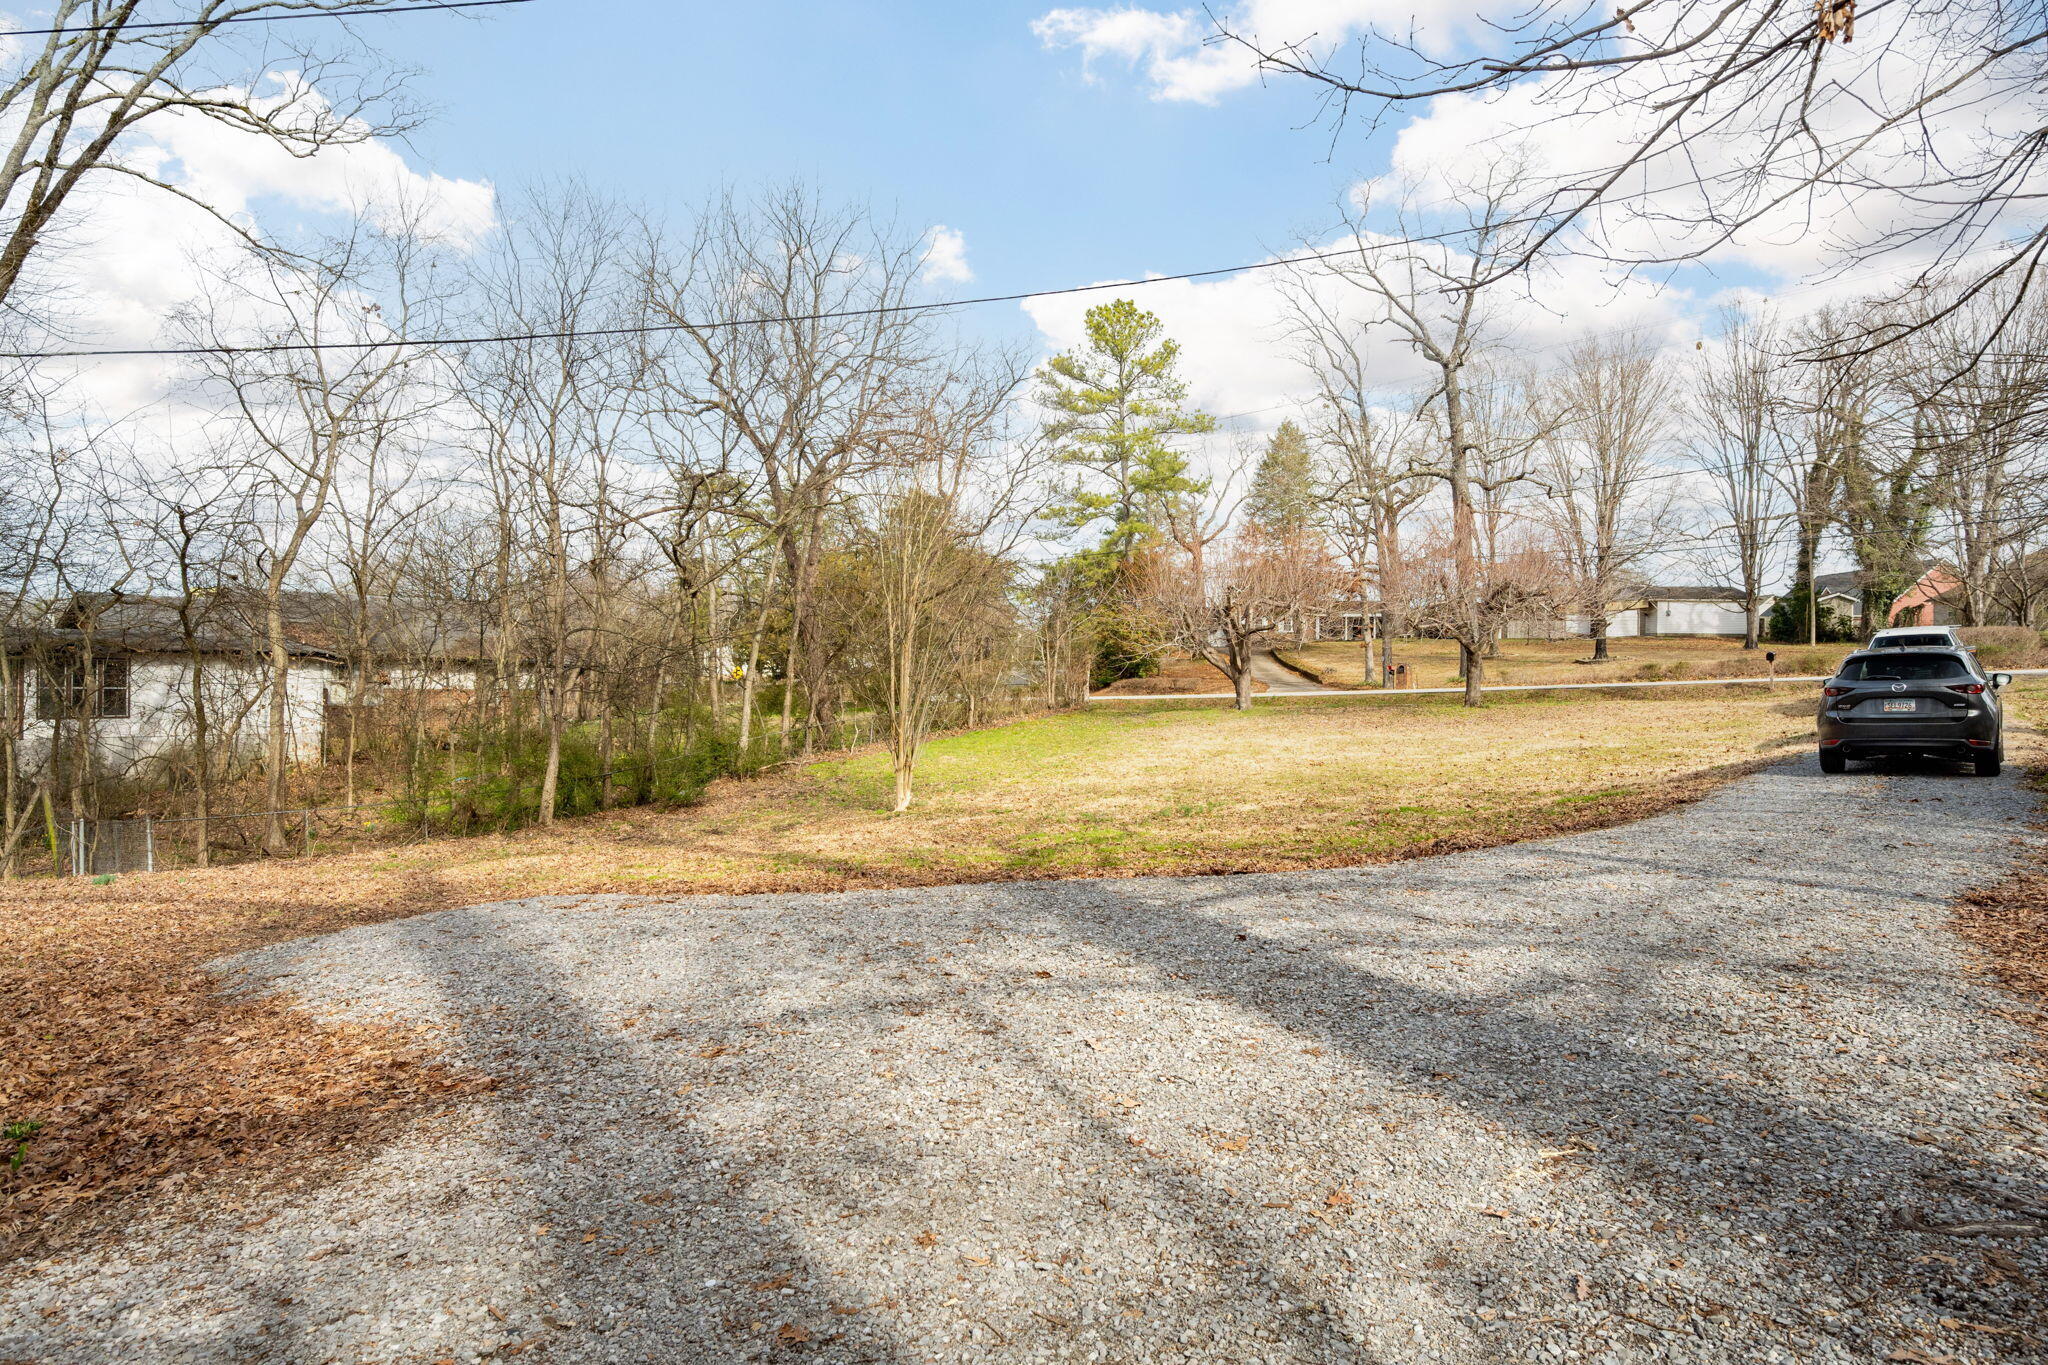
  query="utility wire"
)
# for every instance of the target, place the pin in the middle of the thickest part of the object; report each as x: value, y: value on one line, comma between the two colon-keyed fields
x: 258, y: 18
x: 1356, y: 248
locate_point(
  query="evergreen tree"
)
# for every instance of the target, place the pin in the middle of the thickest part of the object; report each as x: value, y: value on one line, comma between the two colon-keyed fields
x: 1282, y: 501
x: 1118, y: 405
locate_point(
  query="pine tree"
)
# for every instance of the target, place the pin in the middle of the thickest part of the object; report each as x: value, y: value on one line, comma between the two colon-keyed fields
x: 1118, y: 406
x: 1282, y: 500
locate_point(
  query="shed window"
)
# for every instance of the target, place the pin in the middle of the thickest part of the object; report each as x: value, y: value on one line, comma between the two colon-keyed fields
x: 62, y: 690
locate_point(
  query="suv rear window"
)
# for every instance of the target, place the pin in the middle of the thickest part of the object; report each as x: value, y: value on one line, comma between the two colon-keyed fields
x: 1904, y: 668
x: 1911, y: 641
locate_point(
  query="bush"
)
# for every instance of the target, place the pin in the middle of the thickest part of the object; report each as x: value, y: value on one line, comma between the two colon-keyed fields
x: 672, y: 775
x: 1123, y: 649
x: 2002, y: 646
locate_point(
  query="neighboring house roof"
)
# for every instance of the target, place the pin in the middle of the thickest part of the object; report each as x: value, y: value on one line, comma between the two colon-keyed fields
x: 1849, y: 584
x: 1689, y: 593
x: 232, y: 621
x: 108, y: 622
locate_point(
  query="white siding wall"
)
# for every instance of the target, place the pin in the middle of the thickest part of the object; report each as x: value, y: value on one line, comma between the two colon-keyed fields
x: 159, y: 719
x: 1699, y: 618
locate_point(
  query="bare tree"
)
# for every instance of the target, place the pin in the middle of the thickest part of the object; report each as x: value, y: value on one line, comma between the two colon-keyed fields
x: 939, y: 563
x: 1248, y: 592
x: 544, y: 405
x: 200, y: 521
x: 302, y: 407
x: 1705, y: 118
x: 1977, y: 382
x: 1598, y: 459
x: 809, y: 368
x: 1436, y: 299
x: 107, y: 69
x: 1369, y: 443
x: 1738, y: 442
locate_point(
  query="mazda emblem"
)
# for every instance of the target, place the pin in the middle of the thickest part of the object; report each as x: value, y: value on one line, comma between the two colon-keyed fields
x: 1898, y: 687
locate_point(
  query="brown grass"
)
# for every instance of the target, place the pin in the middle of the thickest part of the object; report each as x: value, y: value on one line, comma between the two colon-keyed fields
x: 140, y: 1072
x: 1434, y: 663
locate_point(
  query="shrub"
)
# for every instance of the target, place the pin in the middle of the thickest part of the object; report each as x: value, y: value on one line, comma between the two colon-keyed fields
x: 2002, y: 646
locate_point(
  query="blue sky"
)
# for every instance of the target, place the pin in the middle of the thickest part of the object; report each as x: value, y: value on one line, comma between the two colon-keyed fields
x: 945, y: 112
x: 1064, y: 145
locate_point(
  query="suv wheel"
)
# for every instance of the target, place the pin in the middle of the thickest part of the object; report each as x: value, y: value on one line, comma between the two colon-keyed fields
x: 1831, y: 761
x: 1992, y: 763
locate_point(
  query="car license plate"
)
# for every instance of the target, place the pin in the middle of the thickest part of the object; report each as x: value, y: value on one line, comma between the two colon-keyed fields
x: 1907, y: 706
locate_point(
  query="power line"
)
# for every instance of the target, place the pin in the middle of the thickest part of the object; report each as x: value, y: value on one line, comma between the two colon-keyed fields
x: 258, y: 18
x: 721, y: 324
x: 1355, y: 248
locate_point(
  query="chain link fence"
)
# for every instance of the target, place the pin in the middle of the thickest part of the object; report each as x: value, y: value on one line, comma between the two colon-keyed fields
x: 101, y: 848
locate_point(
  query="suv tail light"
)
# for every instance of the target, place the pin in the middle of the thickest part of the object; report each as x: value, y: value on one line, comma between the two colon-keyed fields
x: 1834, y: 691
x: 1971, y: 689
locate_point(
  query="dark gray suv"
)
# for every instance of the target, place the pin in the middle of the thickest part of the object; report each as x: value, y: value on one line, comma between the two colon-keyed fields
x: 1936, y: 702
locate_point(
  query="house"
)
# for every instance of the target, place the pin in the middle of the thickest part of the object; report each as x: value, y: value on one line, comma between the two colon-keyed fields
x: 1651, y: 610
x: 130, y: 672
x: 1842, y: 594
x: 1931, y: 601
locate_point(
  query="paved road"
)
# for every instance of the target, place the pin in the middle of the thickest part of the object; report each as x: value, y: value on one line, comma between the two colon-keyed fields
x: 1655, y: 1093
x: 1278, y: 677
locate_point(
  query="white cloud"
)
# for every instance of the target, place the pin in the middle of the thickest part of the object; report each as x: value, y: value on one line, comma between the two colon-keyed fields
x: 946, y: 261
x: 1174, y: 48
x: 232, y: 170
x: 137, y: 255
x: 1238, y: 361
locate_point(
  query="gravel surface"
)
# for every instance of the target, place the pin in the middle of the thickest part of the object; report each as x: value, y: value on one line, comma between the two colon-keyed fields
x: 1655, y: 1093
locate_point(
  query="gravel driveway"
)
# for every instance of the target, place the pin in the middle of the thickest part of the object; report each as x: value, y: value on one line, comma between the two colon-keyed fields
x: 1654, y: 1093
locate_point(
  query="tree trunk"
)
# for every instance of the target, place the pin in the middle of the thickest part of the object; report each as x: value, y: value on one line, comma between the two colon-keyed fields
x: 749, y: 684
x: 1236, y: 665
x: 277, y: 752
x: 1600, y: 624
x: 1475, y: 674
x: 551, y: 774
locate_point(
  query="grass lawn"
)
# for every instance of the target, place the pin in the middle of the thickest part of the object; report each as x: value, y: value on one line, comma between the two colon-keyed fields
x: 1434, y: 663
x: 138, y: 1069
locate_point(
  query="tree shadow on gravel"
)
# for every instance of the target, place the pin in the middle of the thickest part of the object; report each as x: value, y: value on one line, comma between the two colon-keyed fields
x: 606, y: 1217
x: 1824, y: 1191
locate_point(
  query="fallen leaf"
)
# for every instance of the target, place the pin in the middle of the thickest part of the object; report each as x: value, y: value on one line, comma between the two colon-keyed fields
x: 791, y: 1334
x: 1959, y: 1325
